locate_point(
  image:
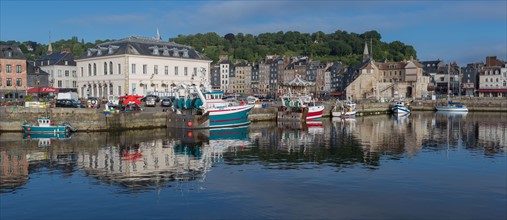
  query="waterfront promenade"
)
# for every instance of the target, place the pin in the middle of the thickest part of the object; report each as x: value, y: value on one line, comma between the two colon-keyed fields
x: 88, y: 120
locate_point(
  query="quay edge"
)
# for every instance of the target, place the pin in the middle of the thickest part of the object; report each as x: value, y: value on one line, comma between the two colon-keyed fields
x: 93, y: 120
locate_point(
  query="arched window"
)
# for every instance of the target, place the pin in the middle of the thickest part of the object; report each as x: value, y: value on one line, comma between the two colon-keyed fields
x: 105, y: 68
x: 89, y: 69
x: 94, y: 69
x: 111, y: 67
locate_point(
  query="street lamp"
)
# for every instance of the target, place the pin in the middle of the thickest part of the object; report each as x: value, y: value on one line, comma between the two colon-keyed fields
x: 37, y: 85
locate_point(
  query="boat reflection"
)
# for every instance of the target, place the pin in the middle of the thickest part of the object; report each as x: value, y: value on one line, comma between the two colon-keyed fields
x: 148, y: 159
x: 45, y: 139
x: 184, y: 155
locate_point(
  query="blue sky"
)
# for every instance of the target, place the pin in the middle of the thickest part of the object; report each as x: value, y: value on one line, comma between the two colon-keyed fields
x: 452, y: 30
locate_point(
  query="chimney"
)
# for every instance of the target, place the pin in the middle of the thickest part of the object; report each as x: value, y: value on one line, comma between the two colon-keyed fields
x: 491, y: 61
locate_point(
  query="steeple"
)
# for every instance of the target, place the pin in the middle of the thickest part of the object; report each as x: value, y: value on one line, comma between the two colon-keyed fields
x: 366, y: 55
x: 50, y: 48
x: 158, y: 35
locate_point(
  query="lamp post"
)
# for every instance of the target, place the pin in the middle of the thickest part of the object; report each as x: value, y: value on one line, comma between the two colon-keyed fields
x: 37, y: 85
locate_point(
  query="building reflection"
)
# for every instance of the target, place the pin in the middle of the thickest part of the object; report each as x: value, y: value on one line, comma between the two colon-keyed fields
x: 148, y: 159
x: 183, y: 155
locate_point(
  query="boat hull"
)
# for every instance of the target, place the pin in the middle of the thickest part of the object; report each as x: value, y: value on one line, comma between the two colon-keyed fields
x: 452, y: 108
x: 30, y: 129
x: 230, y: 116
x: 344, y: 115
x: 315, y: 112
x: 400, y: 110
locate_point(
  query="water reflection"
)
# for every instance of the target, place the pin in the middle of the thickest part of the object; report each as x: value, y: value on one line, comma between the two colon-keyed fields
x: 137, y: 161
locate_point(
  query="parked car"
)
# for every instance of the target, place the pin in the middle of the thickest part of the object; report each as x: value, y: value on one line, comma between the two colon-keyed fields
x: 150, y: 101
x: 166, y: 102
x: 68, y: 103
x: 157, y: 99
x: 93, y: 102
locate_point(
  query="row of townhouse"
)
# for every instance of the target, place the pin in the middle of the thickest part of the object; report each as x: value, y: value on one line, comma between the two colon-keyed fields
x: 367, y: 80
x: 141, y: 65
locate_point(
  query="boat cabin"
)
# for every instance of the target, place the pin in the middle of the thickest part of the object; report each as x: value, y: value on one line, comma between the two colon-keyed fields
x: 45, y: 122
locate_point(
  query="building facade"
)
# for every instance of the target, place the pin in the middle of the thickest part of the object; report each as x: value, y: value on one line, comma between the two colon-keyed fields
x: 62, y: 69
x: 13, y: 77
x: 139, y: 65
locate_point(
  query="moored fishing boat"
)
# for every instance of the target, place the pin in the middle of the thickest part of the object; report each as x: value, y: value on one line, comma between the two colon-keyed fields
x: 301, y: 105
x: 400, y: 108
x: 344, y: 109
x: 208, y: 109
x: 452, y: 107
x: 46, y: 125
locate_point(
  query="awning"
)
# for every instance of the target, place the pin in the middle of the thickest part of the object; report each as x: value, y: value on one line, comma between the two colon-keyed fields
x: 493, y: 90
x: 42, y: 90
x: 336, y: 93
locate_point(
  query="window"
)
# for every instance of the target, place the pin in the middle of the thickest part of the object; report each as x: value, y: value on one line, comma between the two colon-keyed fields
x: 18, y: 68
x: 119, y: 69
x: 166, y: 70
x: 105, y: 68
x: 175, y: 70
x: 195, y: 72
x: 59, y: 84
x: 74, y: 73
x: 8, y: 68
x: 82, y: 70
x: 66, y: 73
x: 119, y: 90
x: 185, y: 71
x: 89, y: 69
x: 18, y: 82
x: 133, y: 68
x: 66, y: 63
x: 111, y: 68
x: 59, y: 73
x: 74, y: 84
x: 145, y: 69
x: 8, y: 82
x: 0, y: 68
x: 155, y: 69
x: 94, y: 69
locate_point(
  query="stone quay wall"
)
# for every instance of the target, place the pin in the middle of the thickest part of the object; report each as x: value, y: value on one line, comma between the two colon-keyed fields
x: 90, y: 120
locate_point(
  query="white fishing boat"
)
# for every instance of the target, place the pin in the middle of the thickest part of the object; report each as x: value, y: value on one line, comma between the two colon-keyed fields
x: 400, y: 108
x: 344, y: 109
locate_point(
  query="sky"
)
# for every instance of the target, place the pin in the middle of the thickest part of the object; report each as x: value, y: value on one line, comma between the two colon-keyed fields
x: 450, y: 30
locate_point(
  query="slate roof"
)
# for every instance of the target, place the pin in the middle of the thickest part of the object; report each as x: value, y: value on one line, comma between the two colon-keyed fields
x: 11, y: 52
x: 57, y: 59
x: 143, y: 46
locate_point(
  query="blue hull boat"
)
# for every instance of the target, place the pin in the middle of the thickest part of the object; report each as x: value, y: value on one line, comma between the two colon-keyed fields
x: 45, y: 125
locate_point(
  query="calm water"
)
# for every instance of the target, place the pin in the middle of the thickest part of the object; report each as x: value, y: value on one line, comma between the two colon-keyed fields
x: 426, y: 166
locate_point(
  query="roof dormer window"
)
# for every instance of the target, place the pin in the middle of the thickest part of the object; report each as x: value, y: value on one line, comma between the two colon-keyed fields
x: 176, y: 53
x: 111, y: 49
x: 166, y: 51
x: 154, y: 50
x: 91, y: 51
x: 185, y: 53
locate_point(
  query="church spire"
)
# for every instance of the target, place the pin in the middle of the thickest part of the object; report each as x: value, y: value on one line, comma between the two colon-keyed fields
x: 50, y: 48
x: 158, y: 35
x: 366, y: 55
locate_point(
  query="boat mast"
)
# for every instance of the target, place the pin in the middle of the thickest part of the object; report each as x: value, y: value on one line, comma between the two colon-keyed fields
x: 448, y: 81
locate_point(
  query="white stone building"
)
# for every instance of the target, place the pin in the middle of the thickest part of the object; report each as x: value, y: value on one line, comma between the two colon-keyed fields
x: 139, y: 65
x: 61, y: 68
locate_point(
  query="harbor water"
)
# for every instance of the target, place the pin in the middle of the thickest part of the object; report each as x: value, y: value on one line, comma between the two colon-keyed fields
x: 426, y: 165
